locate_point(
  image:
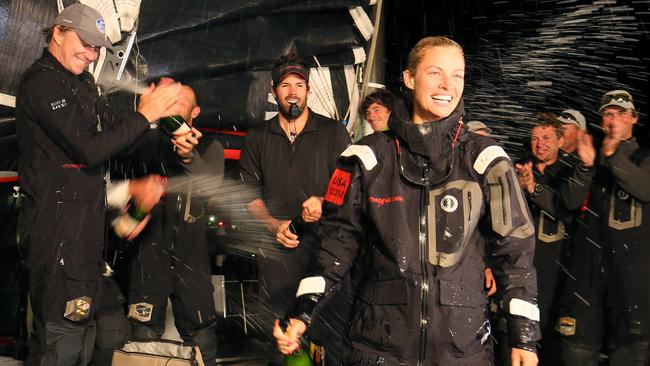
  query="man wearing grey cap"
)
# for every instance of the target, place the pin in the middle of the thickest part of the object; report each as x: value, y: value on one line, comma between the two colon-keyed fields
x: 572, y: 122
x: 65, y: 133
x: 611, y: 273
x: 479, y: 128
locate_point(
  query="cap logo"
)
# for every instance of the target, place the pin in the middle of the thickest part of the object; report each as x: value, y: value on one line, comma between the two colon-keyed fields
x: 100, y: 25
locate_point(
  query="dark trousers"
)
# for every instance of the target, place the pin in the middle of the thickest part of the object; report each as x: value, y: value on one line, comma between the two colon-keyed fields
x: 584, y: 347
x: 172, y: 262
x: 58, y: 340
x: 61, y: 343
x: 112, y: 329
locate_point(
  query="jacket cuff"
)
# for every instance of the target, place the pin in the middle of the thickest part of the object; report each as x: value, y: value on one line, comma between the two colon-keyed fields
x: 304, y: 308
x: 523, y: 333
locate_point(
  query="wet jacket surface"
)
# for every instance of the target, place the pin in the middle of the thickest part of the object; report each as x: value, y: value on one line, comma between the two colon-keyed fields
x: 65, y: 133
x: 420, y: 213
x: 612, y: 252
x: 562, y: 187
x: 171, y: 257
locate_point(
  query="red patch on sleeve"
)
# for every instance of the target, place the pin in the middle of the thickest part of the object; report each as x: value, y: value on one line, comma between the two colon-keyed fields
x: 338, y: 187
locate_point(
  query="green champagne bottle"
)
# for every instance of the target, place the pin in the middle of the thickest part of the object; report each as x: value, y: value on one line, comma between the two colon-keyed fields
x: 136, y: 212
x: 125, y: 224
x: 300, y: 357
x: 175, y: 125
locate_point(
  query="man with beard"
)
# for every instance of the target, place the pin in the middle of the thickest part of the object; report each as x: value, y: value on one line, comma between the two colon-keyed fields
x: 421, y: 204
x: 288, y: 160
x: 544, y: 179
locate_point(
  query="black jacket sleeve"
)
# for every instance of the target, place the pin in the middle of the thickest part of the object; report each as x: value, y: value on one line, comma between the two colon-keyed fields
x: 340, y: 231
x: 575, y: 187
x: 632, y: 176
x: 562, y: 200
x: 65, y: 118
x: 512, y: 254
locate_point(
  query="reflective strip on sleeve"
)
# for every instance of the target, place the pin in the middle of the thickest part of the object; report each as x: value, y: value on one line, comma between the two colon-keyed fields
x: 487, y: 156
x: 364, y: 153
x: 311, y: 285
x: 524, y: 308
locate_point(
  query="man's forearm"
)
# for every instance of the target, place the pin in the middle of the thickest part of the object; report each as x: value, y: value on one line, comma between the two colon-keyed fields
x: 258, y: 210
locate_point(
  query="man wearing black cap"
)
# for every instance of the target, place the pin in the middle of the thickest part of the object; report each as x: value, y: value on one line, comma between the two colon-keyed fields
x: 288, y: 159
x: 612, y: 277
x: 65, y: 133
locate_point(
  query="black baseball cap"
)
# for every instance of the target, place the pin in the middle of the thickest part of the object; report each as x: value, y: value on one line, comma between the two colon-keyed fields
x: 280, y: 72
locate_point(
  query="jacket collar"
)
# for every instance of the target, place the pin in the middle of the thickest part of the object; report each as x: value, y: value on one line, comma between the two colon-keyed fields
x: 48, y: 61
x: 430, y: 161
x: 430, y: 139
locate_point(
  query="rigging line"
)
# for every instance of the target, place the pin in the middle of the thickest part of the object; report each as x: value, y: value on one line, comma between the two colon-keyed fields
x: 328, y: 94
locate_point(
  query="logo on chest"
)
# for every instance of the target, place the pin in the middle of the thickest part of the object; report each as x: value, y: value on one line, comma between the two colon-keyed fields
x: 59, y: 104
x: 380, y: 201
x: 449, y: 203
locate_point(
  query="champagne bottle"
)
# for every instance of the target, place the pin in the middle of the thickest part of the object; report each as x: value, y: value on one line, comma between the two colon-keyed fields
x: 298, y: 226
x: 175, y: 125
x: 300, y: 357
x: 125, y: 225
x: 136, y: 213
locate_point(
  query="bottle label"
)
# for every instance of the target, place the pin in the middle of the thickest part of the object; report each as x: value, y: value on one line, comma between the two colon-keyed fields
x: 184, y: 129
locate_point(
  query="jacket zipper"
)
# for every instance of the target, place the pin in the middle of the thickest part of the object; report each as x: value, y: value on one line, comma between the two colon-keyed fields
x: 424, y: 287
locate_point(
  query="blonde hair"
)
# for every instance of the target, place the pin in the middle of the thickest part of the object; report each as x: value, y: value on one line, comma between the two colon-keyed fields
x: 417, y: 52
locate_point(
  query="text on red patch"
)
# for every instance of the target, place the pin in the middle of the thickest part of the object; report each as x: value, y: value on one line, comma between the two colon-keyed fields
x: 338, y: 187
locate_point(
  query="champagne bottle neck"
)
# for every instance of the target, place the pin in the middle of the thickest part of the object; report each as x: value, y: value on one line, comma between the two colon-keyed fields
x: 136, y: 212
x: 175, y: 125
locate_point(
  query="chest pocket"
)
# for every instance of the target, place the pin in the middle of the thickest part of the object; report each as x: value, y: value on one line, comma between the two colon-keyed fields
x: 549, y: 230
x: 624, y: 211
x: 453, y: 211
